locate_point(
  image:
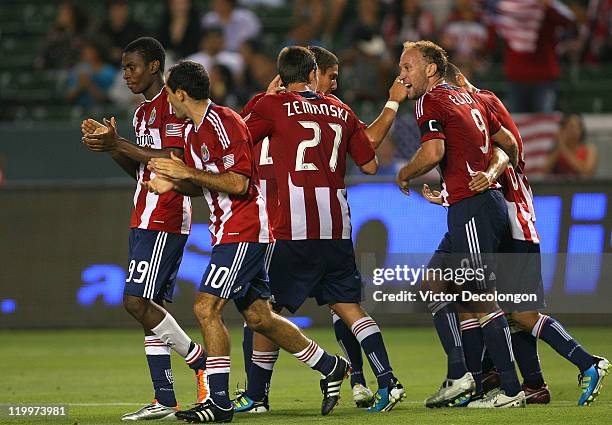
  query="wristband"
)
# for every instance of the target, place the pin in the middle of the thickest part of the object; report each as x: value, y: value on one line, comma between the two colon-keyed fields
x: 392, y: 104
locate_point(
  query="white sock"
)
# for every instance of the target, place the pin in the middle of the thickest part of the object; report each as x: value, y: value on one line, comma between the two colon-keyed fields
x: 265, y: 359
x: 311, y: 354
x: 171, y: 333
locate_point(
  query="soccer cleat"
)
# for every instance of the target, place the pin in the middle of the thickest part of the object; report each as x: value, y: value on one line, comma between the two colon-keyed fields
x: 201, y: 386
x: 451, y: 390
x: 591, y: 380
x: 499, y: 400
x: 387, y: 398
x: 155, y: 410
x: 206, y: 412
x: 537, y: 395
x: 466, y: 399
x: 245, y: 404
x: 330, y: 385
x: 490, y: 381
x: 362, y: 396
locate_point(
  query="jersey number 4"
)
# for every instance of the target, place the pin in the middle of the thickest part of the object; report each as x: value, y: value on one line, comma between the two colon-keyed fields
x: 477, y: 116
x: 300, y: 165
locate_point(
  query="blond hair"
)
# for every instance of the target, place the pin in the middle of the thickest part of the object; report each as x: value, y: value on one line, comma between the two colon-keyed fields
x: 431, y: 52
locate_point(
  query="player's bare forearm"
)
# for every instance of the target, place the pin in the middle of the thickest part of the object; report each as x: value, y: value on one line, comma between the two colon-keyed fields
x: 498, y: 164
x: 425, y: 159
x: 227, y: 182
x: 141, y: 154
x: 483, y: 180
x: 506, y: 141
x: 187, y: 188
x: 380, y: 127
x: 128, y: 165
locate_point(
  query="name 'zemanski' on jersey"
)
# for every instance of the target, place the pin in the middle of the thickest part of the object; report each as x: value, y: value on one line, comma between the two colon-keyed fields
x: 309, y: 145
x: 304, y: 107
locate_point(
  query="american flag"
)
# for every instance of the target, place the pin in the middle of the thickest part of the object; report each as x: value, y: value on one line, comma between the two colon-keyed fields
x: 539, y: 132
x: 518, y: 22
x: 174, y: 130
x: 228, y: 161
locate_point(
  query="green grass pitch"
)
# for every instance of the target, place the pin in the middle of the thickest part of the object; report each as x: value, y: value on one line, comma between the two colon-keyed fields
x: 102, y: 374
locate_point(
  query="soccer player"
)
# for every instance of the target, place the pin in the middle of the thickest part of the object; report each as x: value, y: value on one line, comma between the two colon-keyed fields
x: 160, y: 224
x: 457, y: 133
x: 327, y: 75
x: 310, y: 135
x: 525, y: 241
x: 219, y: 165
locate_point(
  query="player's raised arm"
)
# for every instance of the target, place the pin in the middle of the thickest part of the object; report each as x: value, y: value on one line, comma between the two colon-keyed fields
x: 382, y: 124
x: 259, y: 124
x: 483, y: 179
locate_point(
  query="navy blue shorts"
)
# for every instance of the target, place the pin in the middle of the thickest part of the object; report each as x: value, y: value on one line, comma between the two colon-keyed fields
x: 520, y: 272
x: 237, y: 271
x: 322, y: 269
x: 154, y: 260
x: 476, y: 228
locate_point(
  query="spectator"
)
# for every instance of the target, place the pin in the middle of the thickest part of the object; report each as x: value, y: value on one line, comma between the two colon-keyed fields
x: 531, y: 62
x: 364, y: 67
x: 315, y: 21
x: 238, y: 24
x: 572, y: 155
x: 212, y: 53
x: 368, y: 16
x: 247, y: 83
x: 180, y: 31
x: 91, y: 79
x: 464, y: 36
x: 386, y: 154
x: 119, y: 28
x: 62, y: 47
x: 406, y: 21
x: 597, y: 39
x: 222, y: 86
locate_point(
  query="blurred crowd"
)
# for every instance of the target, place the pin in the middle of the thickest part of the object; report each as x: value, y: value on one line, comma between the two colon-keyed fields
x: 531, y: 38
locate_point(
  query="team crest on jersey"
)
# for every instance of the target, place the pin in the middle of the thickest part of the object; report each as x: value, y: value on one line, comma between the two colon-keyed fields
x: 152, y: 117
x: 205, y: 153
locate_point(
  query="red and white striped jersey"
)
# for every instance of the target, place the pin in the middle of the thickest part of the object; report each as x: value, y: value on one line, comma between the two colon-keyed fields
x: 515, y: 186
x: 264, y: 163
x: 157, y: 127
x: 452, y: 114
x: 310, y: 136
x: 220, y: 143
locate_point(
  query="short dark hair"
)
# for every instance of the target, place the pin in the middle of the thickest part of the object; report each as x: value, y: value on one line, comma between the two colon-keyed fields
x: 452, y: 74
x: 150, y: 49
x: 295, y: 64
x: 325, y: 59
x: 431, y: 52
x: 191, y: 77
